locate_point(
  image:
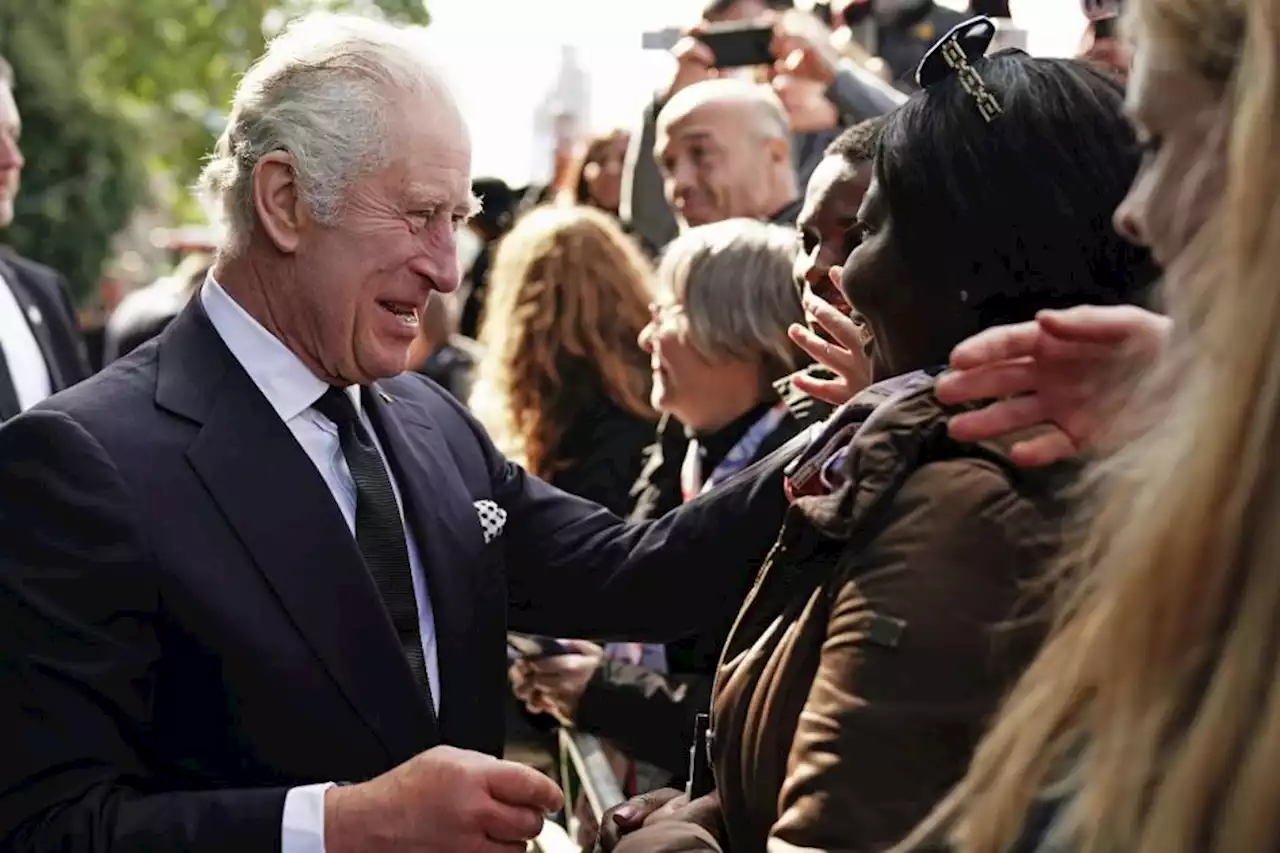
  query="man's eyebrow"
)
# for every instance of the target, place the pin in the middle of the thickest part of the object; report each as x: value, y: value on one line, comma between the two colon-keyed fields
x: 429, y: 196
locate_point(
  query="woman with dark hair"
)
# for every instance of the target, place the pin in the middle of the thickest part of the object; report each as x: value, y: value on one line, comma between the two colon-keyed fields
x: 893, y: 613
x: 595, y: 179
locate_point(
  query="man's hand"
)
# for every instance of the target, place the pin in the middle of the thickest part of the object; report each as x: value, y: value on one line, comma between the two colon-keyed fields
x: 554, y: 685
x: 806, y: 103
x: 1058, y: 372
x: 444, y: 800
x: 693, y: 64
x: 803, y: 49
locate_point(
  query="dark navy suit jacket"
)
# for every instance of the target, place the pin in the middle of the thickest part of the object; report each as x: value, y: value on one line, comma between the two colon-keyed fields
x: 187, y: 629
x: 45, y: 298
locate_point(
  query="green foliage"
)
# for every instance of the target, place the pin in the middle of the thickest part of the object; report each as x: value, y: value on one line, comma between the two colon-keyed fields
x: 173, y: 65
x: 112, y: 91
x: 82, y: 180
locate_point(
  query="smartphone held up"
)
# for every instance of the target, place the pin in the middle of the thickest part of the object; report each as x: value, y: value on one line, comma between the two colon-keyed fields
x: 738, y: 45
x: 534, y: 647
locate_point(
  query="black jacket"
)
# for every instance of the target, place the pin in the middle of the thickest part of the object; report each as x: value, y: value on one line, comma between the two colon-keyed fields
x: 45, y: 299
x: 187, y: 628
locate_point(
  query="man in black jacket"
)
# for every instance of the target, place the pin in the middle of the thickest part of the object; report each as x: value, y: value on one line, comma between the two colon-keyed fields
x: 41, y: 350
x: 254, y: 560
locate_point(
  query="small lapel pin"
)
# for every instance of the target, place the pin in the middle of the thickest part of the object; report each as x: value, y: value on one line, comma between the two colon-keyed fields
x: 34, y: 315
x: 386, y: 398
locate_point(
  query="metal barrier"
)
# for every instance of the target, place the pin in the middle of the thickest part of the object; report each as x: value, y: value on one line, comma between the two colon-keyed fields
x: 553, y: 840
x: 585, y: 768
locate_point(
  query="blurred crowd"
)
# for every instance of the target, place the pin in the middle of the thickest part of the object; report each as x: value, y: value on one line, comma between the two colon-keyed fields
x: 844, y: 247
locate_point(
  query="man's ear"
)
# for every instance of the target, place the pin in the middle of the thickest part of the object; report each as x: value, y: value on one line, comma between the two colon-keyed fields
x: 277, y: 201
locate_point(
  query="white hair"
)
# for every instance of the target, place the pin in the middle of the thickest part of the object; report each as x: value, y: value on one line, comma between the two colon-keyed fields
x: 768, y: 113
x: 325, y: 92
x: 735, y: 282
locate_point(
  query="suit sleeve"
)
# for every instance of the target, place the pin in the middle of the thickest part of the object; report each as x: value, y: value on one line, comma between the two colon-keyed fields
x: 77, y: 366
x: 80, y: 645
x: 577, y: 570
x: 574, y: 569
x: 891, y: 717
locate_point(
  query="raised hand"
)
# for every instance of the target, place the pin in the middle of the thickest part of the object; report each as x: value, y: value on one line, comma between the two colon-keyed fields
x: 841, y: 351
x: 1058, y: 373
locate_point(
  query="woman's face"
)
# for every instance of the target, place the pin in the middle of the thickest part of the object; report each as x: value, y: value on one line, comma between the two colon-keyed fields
x: 604, y: 174
x: 694, y: 391
x: 1176, y: 113
x: 826, y: 228
x: 877, y: 281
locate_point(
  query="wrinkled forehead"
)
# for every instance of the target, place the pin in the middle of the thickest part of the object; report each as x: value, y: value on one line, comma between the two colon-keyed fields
x: 430, y: 150
x: 716, y: 121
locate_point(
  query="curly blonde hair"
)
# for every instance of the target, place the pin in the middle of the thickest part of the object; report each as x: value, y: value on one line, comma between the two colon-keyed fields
x: 567, y: 298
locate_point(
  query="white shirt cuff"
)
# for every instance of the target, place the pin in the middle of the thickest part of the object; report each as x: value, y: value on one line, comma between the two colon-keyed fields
x: 302, y: 826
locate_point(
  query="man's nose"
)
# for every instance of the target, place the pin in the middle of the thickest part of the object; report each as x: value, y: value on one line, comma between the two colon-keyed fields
x: 10, y: 153
x: 439, y: 262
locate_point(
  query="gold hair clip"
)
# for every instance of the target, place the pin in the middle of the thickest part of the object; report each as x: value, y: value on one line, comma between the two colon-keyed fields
x: 971, y: 81
x: 954, y: 55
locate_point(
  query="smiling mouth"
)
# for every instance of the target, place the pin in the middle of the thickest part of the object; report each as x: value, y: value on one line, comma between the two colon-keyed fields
x: 407, y: 314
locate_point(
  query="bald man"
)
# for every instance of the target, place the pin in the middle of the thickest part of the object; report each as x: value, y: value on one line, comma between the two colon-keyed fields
x: 724, y: 149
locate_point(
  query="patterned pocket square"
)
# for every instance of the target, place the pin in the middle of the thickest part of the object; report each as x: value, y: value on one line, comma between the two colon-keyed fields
x: 492, y: 519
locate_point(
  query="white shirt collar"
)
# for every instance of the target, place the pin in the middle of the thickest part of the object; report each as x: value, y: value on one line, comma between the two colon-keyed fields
x: 289, y: 386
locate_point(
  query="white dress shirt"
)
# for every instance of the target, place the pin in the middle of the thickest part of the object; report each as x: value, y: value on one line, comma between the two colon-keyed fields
x: 27, y: 367
x: 292, y: 389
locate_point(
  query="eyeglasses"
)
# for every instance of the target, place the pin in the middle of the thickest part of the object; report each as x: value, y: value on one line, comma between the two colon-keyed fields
x: 662, y: 313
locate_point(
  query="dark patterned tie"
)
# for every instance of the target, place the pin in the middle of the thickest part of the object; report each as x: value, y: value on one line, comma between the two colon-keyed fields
x: 379, y: 531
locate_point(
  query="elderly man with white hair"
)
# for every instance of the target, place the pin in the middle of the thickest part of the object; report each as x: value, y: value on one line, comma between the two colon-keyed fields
x: 724, y: 148
x: 255, y: 580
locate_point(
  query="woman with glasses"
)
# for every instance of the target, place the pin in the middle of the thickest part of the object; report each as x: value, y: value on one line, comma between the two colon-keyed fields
x: 717, y: 344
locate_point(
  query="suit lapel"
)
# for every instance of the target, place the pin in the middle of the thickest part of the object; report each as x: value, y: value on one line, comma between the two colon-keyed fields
x: 280, y: 508
x: 449, y: 540
x: 34, y: 315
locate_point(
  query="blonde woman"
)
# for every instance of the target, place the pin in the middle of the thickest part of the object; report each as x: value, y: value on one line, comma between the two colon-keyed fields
x: 1150, y: 723
x: 562, y: 387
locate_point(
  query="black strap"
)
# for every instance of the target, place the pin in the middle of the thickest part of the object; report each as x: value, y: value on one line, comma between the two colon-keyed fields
x: 379, y: 530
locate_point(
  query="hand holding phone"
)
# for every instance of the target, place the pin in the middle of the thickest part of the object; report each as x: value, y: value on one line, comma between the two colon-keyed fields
x: 737, y: 45
x: 534, y: 647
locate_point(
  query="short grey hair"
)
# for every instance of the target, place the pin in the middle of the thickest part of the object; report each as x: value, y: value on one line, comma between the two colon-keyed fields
x: 324, y: 92
x: 734, y: 281
x: 6, y: 73
x: 768, y: 115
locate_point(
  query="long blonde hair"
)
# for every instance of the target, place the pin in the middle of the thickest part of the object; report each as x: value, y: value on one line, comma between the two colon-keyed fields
x: 1153, y: 714
x: 567, y: 298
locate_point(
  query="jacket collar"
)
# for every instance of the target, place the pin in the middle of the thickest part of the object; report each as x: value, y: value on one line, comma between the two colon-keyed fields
x: 905, y: 434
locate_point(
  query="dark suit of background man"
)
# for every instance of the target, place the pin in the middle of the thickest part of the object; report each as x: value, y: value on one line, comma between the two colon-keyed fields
x: 40, y: 346
x: 252, y: 559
